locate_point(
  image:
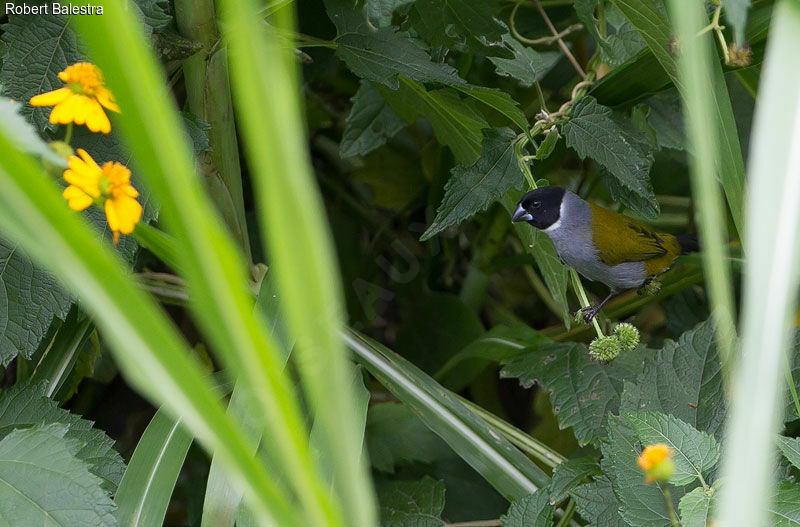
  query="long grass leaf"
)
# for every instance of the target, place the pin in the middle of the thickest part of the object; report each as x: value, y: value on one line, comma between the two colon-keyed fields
x: 770, y: 278
x: 214, y: 270
x: 295, y: 230
x: 147, y: 347
x: 475, y: 441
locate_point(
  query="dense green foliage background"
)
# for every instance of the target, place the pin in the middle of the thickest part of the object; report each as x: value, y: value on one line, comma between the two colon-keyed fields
x: 425, y: 120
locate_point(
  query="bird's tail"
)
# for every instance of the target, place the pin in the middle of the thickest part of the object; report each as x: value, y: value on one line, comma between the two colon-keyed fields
x: 688, y: 243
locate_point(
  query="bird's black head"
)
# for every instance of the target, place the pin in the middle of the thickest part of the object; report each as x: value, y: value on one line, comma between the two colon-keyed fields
x: 541, y: 207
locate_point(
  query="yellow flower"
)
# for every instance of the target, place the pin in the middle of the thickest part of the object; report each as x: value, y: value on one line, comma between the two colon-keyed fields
x: 656, y: 462
x: 108, y: 186
x: 82, y: 100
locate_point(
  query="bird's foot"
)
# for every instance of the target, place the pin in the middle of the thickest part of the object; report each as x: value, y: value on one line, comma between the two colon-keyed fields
x: 589, y: 312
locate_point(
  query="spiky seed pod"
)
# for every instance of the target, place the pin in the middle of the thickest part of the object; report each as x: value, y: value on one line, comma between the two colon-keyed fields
x: 605, y: 349
x: 628, y: 336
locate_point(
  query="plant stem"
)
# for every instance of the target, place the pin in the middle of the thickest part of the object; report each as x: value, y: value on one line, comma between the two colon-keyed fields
x: 673, y: 518
x: 208, y: 96
x: 577, y: 286
x: 68, y: 133
x: 568, y: 512
x: 787, y: 368
x: 561, y: 43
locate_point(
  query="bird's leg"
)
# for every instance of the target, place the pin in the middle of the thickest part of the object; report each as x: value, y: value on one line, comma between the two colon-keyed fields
x: 589, y: 312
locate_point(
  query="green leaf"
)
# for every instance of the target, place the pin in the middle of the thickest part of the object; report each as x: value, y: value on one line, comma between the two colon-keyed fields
x: 683, y: 379
x: 502, y: 465
x: 394, y: 178
x: 597, y: 503
x: 528, y: 65
x: 380, y: 56
x: 497, y: 344
x: 653, y: 26
x: 640, y: 504
x: 582, y: 391
x: 695, y: 507
x: 472, y: 189
x: 148, y: 483
x: 460, y: 23
x: 454, y: 123
x: 30, y: 299
x: 621, y: 42
x: 412, y: 503
x: 379, y: 12
x: 395, y: 435
x: 370, y: 123
x: 23, y: 135
x: 736, y: 14
x: 197, y: 130
x: 62, y: 354
x: 785, y: 506
x: 593, y: 132
x: 666, y: 118
x: 534, y: 510
x: 499, y: 101
x: 571, y: 474
x: 790, y: 447
x: 694, y: 452
x: 44, y: 483
x: 547, y: 145
x: 25, y: 405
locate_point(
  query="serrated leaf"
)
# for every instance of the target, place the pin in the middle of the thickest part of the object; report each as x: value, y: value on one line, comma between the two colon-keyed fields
x: 571, y: 474
x: 593, y: 132
x: 641, y: 504
x: 380, y: 56
x: 25, y: 405
x: 379, y: 12
x: 695, y: 507
x: 45, y: 484
x: 412, y: 503
x: 472, y: 189
x: 694, y: 451
x: 30, y: 299
x: 197, y: 130
x: 596, y: 503
x: 534, y: 510
x: 22, y: 134
x: 666, y: 118
x: 454, y: 123
x: 790, y: 447
x: 460, y: 23
x: 395, y: 435
x: 499, y: 101
x: 684, y: 379
x: 370, y: 123
x: 621, y: 42
x: 582, y: 391
x: 785, y: 506
x: 528, y: 65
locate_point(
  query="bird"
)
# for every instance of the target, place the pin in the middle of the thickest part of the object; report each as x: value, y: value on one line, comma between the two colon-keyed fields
x: 601, y: 245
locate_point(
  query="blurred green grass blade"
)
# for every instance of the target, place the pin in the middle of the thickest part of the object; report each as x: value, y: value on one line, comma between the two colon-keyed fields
x: 654, y: 28
x: 147, y: 347
x: 501, y: 464
x: 222, y: 498
x: 149, y: 480
x: 770, y: 278
x: 296, y: 234
x: 161, y: 244
x: 214, y: 270
x: 701, y: 109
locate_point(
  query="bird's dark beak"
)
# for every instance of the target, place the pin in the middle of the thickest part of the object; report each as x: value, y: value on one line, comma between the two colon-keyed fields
x: 521, y: 215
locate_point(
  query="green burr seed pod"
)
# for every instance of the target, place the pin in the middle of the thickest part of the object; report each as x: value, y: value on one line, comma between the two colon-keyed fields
x: 605, y: 349
x: 628, y: 336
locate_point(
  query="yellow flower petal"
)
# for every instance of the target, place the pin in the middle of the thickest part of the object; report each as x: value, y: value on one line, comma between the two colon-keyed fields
x: 96, y: 118
x: 123, y: 214
x: 106, y: 98
x: 51, y: 98
x: 64, y: 111
x: 76, y: 198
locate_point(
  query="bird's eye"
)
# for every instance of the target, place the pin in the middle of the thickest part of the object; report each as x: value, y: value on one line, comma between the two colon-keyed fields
x: 536, y: 204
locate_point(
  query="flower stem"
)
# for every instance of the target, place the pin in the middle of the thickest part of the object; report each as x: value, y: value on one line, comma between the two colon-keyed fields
x: 68, y: 133
x: 561, y: 43
x: 673, y: 518
x: 568, y: 512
